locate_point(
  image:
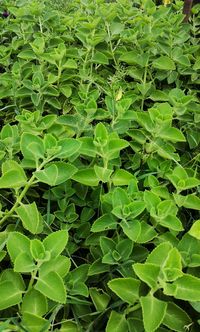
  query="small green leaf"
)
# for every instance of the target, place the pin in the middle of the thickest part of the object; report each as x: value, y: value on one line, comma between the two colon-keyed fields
x: 148, y: 273
x: 24, y: 263
x: 147, y: 233
x: 13, y: 175
x: 164, y: 63
x: 176, y: 319
x: 195, y: 230
x: 30, y: 217
x: 126, y: 288
x: 51, y: 285
x: 131, y: 228
x: 68, y: 147
x: 101, y: 133
x: 60, y: 265
x: 153, y: 311
x: 105, y: 222
x: 69, y: 326
x: 37, y: 249
x: 32, y: 146
x: 99, y: 298
x: 122, y: 177
x: 14, y: 277
x: 87, y: 177
x: 185, y: 288
x: 35, y: 323
x: 101, y: 58
x: 35, y: 303
x: 172, y: 134
x: 10, y: 295
x: 117, y: 322
x: 56, y: 173
x: 56, y: 242
x: 17, y: 243
x: 102, y: 173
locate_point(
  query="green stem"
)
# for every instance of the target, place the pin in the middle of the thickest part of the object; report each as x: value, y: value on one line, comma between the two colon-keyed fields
x: 21, y: 196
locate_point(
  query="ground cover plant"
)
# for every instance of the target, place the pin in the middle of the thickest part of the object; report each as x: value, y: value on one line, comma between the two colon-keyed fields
x: 99, y: 153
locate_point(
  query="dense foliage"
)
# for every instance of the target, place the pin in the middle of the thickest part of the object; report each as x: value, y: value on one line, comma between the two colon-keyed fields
x: 99, y: 153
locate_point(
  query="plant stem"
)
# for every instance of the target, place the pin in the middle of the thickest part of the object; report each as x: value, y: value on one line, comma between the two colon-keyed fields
x: 21, y: 196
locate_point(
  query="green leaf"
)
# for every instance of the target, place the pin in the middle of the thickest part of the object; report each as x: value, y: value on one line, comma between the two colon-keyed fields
x: 195, y: 230
x: 120, y: 197
x: 35, y: 323
x: 172, y: 134
x: 87, y: 177
x: 153, y: 311
x: 34, y: 302
x: 66, y: 90
x: 30, y: 217
x: 185, y: 288
x: 14, y: 277
x: 105, y: 222
x: 122, y: 177
x: 17, y: 243
x: 87, y: 146
x: 101, y: 133
x: 101, y: 58
x: 27, y: 55
x: 164, y: 63
x: 60, y: 265
x: 56, y: 242
x: 56, y: 173
x: 99, y: 298
x: 148, y: 273
x: 171, y: 222
x: 37, y: 249
x: 176, y: 319
x: 102, y: 173
x: 129, y: 57
x: 68, y: 147
x: 116, y: 323
x: 51, y: 285
x: 10, y: 295
x: 159, y: 255
x: 126, y: 288
x: 147, y: 233
x: 13, y: 175
x: 32, y: 146
x: 131, y: 228
x: 69, y: 326
x: 24, y: 263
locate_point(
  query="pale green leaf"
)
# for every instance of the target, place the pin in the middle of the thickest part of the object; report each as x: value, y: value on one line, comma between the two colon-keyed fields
x: 126, y: 288
x: 52, y: 286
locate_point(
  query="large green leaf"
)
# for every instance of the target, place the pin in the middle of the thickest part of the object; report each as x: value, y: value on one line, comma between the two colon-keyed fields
x: 56, y: 242
x: 30, y: 217
x: 126, y: 288
x: 52, y: 286
x: 164, y: 63
x: 116, y: 323
x: 17, y: 243
x: 35, y: 303
x: 185, y: 288
x: 10, y: 295
x: 32, y: 146
x: 148, y: 273
x: 153, y: 311
x: 13, y: 175
x: 87, y: 177
x: 35, y: 323
x: 176, y: 319
x: 56, y: 173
